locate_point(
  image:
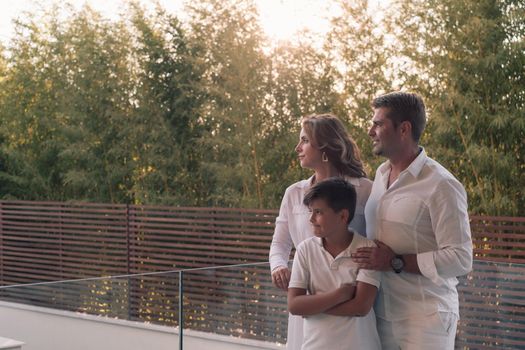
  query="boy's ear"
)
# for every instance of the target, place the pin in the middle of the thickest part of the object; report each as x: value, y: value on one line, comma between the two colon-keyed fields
x: 344, y: 214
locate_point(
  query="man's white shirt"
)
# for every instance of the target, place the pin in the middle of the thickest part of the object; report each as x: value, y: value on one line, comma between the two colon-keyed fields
x: 423, y: 212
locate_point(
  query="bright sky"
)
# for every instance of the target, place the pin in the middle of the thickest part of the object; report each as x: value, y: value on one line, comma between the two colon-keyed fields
x: 280, y: 18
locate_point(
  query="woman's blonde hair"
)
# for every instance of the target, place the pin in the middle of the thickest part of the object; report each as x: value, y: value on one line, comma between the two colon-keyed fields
x: 329, y: 135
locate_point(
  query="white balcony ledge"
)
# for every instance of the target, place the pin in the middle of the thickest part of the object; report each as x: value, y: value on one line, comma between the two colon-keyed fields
x: 48, y: 329
x: 11, y: 344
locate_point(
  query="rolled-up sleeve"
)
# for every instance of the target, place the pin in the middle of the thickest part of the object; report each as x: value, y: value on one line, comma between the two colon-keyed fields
x: 450, y: 222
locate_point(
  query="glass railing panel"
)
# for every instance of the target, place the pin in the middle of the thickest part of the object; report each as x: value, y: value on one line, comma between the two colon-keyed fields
x: 104, y: 296
x: 155, y: 299
x: 492, y: 306
x: 147, y: 300
x: 239, y: 302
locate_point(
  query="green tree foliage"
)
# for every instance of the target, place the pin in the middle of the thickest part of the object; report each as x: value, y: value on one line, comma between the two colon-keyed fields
x: 469, y: 57
x: 22, y: 127
x: 235, y: 78
x: 302, y: 82
x: 66, y: 96
x: 8, y: 184
x: 148, y: 109
x: 92, y: 58
x: 167, y: 127
x: 359, y: 54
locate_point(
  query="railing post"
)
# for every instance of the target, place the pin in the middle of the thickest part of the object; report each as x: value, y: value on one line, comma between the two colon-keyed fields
x: 181, y: 312
x: 128, y: 253
x: 128, y: 269
x: 1, y: 243
x: 60, y: 241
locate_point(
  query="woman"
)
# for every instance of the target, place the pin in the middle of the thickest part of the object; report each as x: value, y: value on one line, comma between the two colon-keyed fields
x: 326, y: 148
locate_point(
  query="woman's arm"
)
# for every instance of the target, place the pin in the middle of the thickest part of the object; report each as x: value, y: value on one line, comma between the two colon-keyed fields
x: 281, y: 247
x: 281, y: 277
x: 280, y: 253
x: 282, y: 243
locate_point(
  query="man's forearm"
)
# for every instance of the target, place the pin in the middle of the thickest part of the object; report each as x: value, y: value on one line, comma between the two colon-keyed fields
x: 379, y: 258
x: 411, y: 264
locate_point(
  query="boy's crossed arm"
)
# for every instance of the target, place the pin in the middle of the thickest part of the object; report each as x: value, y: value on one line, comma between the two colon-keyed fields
x: 347, y: 300
x: 359, y: 305
x: 300, y: 303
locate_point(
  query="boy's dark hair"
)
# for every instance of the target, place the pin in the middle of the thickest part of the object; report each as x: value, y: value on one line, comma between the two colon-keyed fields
x: 338, y: 194
x: 404, y: 106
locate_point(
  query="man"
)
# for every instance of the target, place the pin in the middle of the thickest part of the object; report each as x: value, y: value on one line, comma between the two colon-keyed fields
x: 417, y: 212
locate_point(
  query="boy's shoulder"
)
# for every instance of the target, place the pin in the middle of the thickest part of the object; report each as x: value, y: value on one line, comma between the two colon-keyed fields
x: 310, y: 243
x: 316, y: 243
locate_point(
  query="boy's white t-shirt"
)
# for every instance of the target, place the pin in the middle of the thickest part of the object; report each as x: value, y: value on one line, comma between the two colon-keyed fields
x: 315, y: 270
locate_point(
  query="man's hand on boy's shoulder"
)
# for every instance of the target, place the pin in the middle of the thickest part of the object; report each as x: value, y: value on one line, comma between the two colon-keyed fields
x: 374, y: 258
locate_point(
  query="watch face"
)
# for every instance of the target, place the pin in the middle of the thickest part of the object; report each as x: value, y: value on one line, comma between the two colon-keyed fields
x: 397, y: 264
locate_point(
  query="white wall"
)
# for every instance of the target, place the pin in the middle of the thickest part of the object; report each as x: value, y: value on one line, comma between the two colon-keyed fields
x: 48, y: 329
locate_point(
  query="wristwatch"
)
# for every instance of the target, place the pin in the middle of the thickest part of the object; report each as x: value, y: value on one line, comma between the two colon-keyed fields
x: 397, y: 263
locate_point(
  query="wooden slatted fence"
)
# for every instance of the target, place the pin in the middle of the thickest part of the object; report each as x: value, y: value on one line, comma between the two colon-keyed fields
x: 48, y: 241
x: 492, y: 296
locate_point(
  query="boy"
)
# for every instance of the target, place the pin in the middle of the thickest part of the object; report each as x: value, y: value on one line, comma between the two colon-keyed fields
x: 323, y: 267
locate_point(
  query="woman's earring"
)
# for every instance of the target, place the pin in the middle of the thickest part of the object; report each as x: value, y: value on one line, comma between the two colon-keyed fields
x: 324, y: 157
